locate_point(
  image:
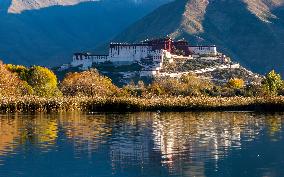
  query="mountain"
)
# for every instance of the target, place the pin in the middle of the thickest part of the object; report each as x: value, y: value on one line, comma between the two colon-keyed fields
x: 47, y: 32
x: 249, y: 31
x: 20, y: 6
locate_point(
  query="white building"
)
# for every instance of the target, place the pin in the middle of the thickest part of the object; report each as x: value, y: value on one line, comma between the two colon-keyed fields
x: 126, y: 53
x: 122, y: 54
x: 154, y: 52
x: 204, y: 50
x: 86, y: 60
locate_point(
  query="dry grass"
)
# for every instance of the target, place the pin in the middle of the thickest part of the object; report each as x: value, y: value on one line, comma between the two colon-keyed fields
x: 132, y: 104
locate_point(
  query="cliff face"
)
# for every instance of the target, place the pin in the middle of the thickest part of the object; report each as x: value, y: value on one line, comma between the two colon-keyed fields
x: 250, y: 31
x: 47, y: 32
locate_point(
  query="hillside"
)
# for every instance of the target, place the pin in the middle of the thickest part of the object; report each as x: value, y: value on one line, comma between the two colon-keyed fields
x: 249, y: 31
x: 47, y: 32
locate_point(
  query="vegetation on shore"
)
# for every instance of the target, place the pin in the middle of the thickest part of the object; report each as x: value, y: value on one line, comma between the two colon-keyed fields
x: 36, y: 89
x: 132, y: 104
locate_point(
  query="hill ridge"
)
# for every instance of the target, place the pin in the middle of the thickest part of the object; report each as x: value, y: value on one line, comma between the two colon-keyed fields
x: 238, y: 27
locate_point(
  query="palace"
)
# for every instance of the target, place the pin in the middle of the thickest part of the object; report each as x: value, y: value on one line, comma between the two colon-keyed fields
x: 156, y: 50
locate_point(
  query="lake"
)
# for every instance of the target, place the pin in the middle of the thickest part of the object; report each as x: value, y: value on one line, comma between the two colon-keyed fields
x: 142, y: 144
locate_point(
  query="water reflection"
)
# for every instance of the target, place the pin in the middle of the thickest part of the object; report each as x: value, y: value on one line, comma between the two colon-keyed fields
x: 34, y: 129
x: 274, y: 124
x: 195, y: 137
x: 8, y: 133
x: 86, y: 132
x: 149, y: 144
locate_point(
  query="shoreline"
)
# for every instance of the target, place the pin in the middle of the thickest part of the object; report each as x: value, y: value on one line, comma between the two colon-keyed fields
x: 134, y: 104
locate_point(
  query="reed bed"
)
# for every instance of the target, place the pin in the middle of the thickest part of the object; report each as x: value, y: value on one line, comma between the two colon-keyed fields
x: 134, y: 104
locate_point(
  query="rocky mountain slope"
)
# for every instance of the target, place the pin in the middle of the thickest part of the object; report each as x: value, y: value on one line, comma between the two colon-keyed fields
x: 20, y: 6
x: 47, y: 32
x: 249, y: 31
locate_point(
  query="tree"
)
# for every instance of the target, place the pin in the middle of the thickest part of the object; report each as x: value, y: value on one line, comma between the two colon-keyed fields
x: 195, y: 85
x: 254, y: 90
x: 88, y: 83
x: 236, y: 83
x: 135, y: 90
x: 188, y: 85
x: 43, y: 81
x: 157, y: 89
x: 272, y: 83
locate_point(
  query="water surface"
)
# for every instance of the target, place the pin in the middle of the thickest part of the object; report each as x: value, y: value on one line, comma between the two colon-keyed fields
x: 142, y: 144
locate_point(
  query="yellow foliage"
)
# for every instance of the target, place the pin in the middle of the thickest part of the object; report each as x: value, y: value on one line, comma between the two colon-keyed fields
x: 11, y: 84
x: 88, y: 83
x: 236, y: 83
x: 43, y: 81
x: 21, y: 71
x: 187, y: 85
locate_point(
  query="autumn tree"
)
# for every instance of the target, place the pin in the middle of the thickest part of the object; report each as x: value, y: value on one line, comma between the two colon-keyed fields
x: 88, y: 83
x: 135, y: 90
x: 156, y: 88
x: 195, y: 85
x: 236, y: 83
x: 11, y: 84
x: 43, y: 81
x: 187, y: 85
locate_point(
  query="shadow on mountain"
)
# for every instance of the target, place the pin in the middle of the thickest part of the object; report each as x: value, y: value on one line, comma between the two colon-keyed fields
x: 159, y: 23
x: 49, y: 36
x: 237, y: 32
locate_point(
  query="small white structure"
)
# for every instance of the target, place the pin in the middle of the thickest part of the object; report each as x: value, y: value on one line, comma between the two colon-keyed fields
x: 86, y: 60
x: 64, y: 67
x: 204, y: 50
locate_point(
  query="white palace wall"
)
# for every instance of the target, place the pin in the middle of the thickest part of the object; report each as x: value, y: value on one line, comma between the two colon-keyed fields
x: 87, y: 60
x: 128, y: 54
x: 123, y: 54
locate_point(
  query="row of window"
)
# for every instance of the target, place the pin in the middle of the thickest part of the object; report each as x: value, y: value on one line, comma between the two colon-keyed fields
x: 129, y: 47
x: 204, y: 48
x: 90, y: 57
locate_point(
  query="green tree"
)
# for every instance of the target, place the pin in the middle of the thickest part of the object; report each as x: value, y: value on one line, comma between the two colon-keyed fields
x: 43, y: 81
x: 272, y: 83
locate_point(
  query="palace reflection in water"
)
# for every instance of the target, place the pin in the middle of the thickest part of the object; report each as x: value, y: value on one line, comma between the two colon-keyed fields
x: 142, y: 144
